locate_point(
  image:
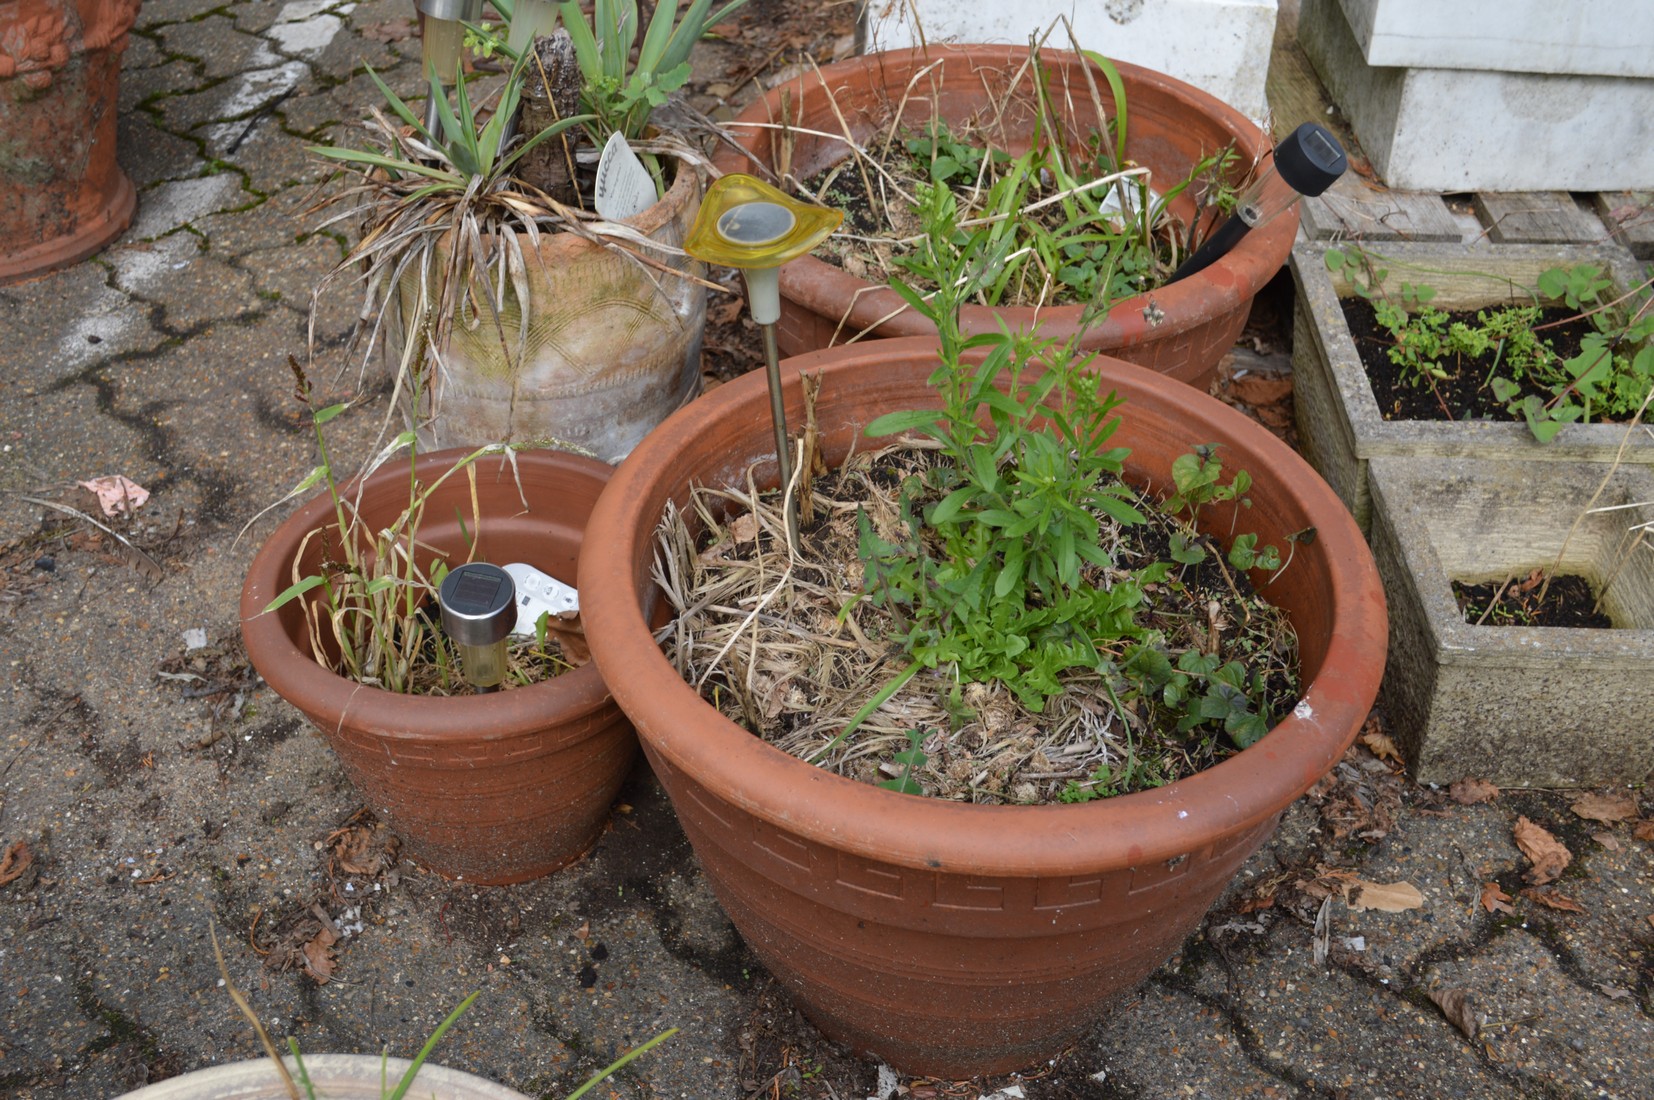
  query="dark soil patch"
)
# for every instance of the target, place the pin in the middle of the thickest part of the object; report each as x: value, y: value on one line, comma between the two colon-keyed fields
x: 1463, y: 395
x: 1568, y: 602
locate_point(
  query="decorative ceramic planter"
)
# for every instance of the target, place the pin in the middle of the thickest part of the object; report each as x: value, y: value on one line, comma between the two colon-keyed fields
x: 490, y: 788
x: 1339, y: 425
x: 946, y: 938
x: 1181, y: 330
x: 613, y: 347
x: 62, y: 196
x: 1520, y: 706
x: 335, y: 1076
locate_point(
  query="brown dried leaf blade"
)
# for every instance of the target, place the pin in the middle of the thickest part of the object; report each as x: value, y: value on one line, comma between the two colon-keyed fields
x: 1495, y: 900
x: 1550, y: 898
x: 1392, y: 897
x: 1549, y: 856
x: 17, y: 860
x: 1455, y: 1005
x: 1470, y: 792
x: 1608, y: 807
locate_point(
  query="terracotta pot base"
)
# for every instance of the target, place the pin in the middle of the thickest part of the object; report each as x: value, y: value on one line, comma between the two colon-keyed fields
x: 945, y: 938
x: 496, y: 788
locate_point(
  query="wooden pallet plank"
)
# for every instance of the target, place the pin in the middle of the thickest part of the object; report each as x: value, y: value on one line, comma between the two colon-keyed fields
x: 1353, y: 208
x: 1629, y: 215
x: 1536, y: 217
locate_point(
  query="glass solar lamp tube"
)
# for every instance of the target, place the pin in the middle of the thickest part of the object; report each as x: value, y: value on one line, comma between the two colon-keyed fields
x: 479, y: 608
x: 1308, y: 162
x: 441, y: 36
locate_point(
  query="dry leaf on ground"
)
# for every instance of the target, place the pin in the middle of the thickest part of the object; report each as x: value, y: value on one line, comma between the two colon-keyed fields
x: 1644, y: 829
x: 319, y: 956
x: 1260, y: 387
x: 1394, y: 897
x: 1548, y: 855
x: 15, y: 862
x: 1380, y: 745
x: 1551, y: 899
x: 1455, y: 1005
x: 1495, y: 900
x: 1608, y: 807
x: 1608, y: 841
x: 1469, y: 792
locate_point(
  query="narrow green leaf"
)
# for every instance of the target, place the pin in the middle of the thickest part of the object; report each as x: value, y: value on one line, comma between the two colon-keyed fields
x: 293, y: 592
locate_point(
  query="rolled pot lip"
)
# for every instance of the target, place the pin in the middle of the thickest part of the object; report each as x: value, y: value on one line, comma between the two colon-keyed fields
x: 1241, y: 792
x: 823, y: 288
x: 295, y: 675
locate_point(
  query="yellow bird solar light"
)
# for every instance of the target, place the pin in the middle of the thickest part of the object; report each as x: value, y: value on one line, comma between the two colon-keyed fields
x: 747, y: 224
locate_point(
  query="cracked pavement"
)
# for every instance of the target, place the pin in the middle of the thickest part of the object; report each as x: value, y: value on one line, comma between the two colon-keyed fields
x: 154, y: 808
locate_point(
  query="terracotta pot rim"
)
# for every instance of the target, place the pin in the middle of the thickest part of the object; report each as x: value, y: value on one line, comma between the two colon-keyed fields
x: 294, y: 674
x: 825, y: 288
x: 1244, y: 790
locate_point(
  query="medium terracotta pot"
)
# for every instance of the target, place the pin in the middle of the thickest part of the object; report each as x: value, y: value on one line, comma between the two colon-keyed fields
x: 1181, y: 330
x: 490, y: 788
x: 613, y: 347
x: 946, y: 938
x: 335, y: 1077
x: 62, y: 196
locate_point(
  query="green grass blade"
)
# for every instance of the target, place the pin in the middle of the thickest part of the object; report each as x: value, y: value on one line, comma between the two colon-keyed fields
x: 585, y: 43
x: 430, y: 1044
x: 618, y: 1063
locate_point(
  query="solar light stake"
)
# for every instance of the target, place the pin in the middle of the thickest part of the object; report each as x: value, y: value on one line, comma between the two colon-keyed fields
x: 479, y: 608
x: 440, y: 40
x: 1308, y: 162
x: 745, y: 223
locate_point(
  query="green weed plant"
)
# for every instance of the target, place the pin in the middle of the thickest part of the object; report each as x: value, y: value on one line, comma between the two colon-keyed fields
x: 1010, y: 568
x: 1608, y: 378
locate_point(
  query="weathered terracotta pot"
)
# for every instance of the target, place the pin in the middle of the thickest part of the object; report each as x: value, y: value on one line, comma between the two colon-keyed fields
x: 62, y: 196
x: 613, y: 347
x: 490, y: 788
x: 1181, y: 330
x: 946, y: 938
x: 335, y: 1077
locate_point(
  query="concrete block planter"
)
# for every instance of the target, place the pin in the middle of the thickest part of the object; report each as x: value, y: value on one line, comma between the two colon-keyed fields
x: 1521, y: 706
x: 1339, y: 425
x: 1481, y: 124
x: 1600, y: 38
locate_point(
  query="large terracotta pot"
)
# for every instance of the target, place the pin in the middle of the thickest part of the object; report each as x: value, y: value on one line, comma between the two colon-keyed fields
x: 490, y: 788
x: 335, y: 1077
x: 62, y: 196
x: 1181, y: 330
x: 613, y: 347
x: 946, y: 938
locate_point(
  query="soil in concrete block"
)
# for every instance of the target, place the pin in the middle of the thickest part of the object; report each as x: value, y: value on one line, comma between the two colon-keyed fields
x: 1567, y: 601
x: 1468, y: 390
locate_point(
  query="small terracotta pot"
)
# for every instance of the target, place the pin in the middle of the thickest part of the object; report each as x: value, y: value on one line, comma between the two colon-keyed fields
x: 489, y: 788
x: 945, y: 938
x: 62, y: 196
x: 1181, y: 330
x: 335, y: 1077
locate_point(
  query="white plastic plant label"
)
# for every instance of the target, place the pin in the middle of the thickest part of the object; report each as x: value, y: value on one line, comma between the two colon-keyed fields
x: 537, y: 594
x: 625, y: 188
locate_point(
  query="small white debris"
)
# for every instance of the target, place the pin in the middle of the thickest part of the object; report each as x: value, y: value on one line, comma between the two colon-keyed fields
x: 1303, y: 711
x: 1356, y: 943
x: 888, y: 1084
x: 195, y: 638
